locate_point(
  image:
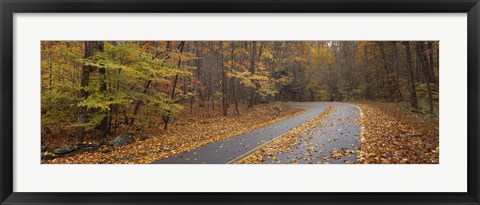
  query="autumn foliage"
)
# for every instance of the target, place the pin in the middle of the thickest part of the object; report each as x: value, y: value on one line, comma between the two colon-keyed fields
x: 140, y: 101
x: 392, y: 135
x: 183, y: 136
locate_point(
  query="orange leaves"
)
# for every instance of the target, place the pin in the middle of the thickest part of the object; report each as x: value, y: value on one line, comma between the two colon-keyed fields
x: 393, y: 136
x: 284, y: 143
x: 204, y: 127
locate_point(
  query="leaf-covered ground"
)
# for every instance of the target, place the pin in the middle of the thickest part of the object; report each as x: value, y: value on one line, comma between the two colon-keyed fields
x: 392, y: 135
x: 188, y: 132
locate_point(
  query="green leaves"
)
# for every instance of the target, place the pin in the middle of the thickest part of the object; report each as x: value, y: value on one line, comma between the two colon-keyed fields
x: 128, y: 67
x: 58, y: 104
x: 96, y: 101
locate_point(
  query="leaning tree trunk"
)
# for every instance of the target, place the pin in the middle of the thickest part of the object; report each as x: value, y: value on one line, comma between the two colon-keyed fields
x: 138, y: 103
x: 181, y: 46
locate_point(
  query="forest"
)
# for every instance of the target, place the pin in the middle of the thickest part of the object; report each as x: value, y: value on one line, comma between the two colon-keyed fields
x: 94, y: 91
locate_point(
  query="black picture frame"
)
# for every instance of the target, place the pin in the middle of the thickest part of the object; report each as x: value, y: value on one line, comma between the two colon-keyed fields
x: 9, y: 7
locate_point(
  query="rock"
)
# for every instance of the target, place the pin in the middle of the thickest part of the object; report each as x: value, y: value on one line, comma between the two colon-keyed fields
x: 73, y: 135
x: 86, y: 146
x: 84, y: 149
x: 143, y: 137
x: 79, y: 150
x: 168, y: 119
x: 101, y: 143
x: 82, y: 144
x: 47, y: 131
x: 48, y: 156
x: 190, y: 120
x: 62, y: 150
x: 74, y: 149
x: 164, y: 118
x: 123, y: 140
x: 107, y: 150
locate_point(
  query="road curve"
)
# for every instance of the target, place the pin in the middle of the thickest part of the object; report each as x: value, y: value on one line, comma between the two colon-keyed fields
x: 335, y: 140
x: 221, y: 152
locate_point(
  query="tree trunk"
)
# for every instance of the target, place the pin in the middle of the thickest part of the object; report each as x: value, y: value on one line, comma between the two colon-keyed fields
x: 50, y: 63
x: 431, y: 62
x: 389, y: 74
x: 354, y: 84
x: 309, y: 52
x: 83, y: 94
x: 426, y: 72
x: 104, y: 123
x: 234, y: 90
x: 181, y: 46
x: 224, y: 83
x: 366, y: 76
x: 212, y: 90
x: 138, y: 103
x: 413, y: 91
x: 253, y: 54
x: 235, y: 98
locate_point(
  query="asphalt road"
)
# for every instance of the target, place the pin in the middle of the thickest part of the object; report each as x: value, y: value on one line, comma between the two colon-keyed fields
x: 337, y: 131
x: 334, y: 140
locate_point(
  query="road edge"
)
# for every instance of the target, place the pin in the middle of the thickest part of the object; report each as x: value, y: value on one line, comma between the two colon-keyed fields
x: 252, y: 151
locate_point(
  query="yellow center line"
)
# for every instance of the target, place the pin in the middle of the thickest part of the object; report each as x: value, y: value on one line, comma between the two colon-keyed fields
x: 250, y: 152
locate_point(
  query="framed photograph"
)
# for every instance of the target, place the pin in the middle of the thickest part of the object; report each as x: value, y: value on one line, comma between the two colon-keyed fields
x: 241, y: 102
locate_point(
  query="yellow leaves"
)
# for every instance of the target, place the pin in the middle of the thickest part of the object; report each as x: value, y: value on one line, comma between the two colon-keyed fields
x: 267, y: 54
x: 392, y: 136
x: 284, y: 143
x: 205, y: 127
x: 260, y: 79
x: 326, y: 55
x: 336, y: 155
x: 285, y: 80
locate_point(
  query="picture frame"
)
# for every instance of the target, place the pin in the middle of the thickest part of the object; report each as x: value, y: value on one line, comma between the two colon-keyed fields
x: 8, y: 8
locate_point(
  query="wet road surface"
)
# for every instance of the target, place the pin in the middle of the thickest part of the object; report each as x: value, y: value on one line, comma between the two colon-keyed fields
x: 334, y: 140
x: 337, y: 131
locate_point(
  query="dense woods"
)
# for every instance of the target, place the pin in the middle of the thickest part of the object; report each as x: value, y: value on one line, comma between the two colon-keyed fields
x: 92, y: 88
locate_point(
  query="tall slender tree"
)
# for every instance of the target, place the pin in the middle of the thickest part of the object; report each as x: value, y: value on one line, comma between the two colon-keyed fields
x: 411, y: 77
